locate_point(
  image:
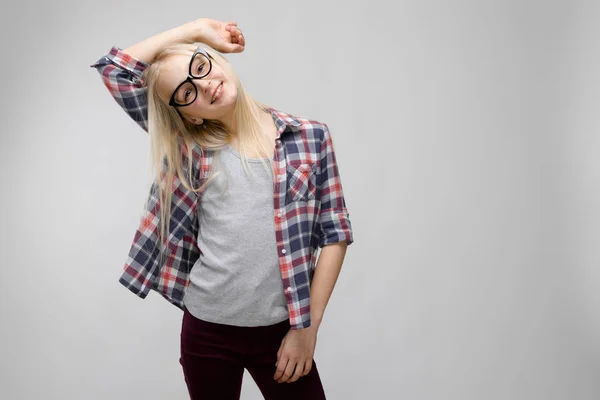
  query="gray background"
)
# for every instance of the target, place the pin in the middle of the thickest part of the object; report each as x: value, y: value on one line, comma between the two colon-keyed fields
x: 467, y: 140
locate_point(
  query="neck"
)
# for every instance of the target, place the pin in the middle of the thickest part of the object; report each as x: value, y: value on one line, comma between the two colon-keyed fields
x: 230, y: 124
x: 266, y: 120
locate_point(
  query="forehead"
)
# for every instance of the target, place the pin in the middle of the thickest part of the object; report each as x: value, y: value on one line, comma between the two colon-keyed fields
x: 174, y: 70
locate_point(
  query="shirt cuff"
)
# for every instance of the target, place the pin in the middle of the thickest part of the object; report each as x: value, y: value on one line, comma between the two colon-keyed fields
x: 335, y: 227
x: 117, y: 56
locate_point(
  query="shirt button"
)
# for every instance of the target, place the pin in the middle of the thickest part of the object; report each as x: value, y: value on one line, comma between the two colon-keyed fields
x: 289, y: 289
x: 279, y: 215
x: 283, y: 251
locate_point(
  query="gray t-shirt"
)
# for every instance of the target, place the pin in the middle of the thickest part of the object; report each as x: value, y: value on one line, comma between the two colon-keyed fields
x: 237, y: 280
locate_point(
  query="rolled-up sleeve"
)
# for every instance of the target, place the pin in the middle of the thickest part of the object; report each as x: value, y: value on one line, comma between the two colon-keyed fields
x: 122, y: 76
x: 334, y: 219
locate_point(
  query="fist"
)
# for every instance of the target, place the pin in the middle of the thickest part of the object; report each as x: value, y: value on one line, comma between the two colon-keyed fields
x: 225, y: 37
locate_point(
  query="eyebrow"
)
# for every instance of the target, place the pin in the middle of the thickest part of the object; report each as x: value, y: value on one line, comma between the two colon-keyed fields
x: 188, y: 70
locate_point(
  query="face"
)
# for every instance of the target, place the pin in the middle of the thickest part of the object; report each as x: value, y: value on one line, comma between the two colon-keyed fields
x: 175, y: 70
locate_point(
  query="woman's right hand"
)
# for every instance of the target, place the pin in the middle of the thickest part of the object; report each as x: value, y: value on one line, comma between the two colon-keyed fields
x: 225, y: 37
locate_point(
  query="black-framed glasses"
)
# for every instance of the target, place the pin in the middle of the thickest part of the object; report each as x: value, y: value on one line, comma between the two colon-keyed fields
x: 186, y: 92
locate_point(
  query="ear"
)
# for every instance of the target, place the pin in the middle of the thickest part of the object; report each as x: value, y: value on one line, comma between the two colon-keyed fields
x: 196, y: 121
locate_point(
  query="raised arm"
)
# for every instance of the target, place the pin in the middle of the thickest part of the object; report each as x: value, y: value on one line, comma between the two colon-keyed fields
x: 121, y: 69
x: 122, y: 75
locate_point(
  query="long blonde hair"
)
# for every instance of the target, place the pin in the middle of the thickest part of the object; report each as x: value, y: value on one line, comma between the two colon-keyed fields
x: 173, y: 139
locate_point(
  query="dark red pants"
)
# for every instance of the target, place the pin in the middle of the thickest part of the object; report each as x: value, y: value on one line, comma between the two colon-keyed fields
x: 214, y: 356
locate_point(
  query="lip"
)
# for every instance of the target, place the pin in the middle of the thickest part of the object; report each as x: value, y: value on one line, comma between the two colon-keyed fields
x: 215, y: 91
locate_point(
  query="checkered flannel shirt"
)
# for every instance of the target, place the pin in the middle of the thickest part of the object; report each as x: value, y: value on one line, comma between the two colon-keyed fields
x: 309, y: 207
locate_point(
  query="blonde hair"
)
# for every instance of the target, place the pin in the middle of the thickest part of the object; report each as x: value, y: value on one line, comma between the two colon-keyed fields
x: 173, y: 138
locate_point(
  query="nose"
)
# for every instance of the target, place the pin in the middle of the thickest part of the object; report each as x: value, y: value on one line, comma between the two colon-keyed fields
x: 204, y: 86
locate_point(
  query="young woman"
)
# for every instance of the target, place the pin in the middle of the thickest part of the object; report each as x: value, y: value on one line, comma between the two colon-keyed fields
x: 244, y: 195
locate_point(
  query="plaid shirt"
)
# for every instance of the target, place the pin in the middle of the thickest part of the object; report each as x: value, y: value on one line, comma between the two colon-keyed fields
x: 309, y: 207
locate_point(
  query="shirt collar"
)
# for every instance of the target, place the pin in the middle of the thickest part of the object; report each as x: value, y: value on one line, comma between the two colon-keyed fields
x: 284, y: 121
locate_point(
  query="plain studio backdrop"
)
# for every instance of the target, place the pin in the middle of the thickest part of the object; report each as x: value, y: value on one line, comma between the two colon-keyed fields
x: 467, y: 137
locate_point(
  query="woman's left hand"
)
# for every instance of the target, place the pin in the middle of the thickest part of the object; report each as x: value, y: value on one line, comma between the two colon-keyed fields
x: 225, y: 37
x: 295, y: 355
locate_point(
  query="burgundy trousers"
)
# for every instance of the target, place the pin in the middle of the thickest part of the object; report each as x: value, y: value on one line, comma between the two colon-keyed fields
x: 214, y: 356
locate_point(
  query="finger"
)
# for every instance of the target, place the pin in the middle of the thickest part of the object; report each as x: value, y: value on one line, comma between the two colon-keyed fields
x: 289, y: 371
x: 237, y: 37
x: 308, y: 366
x: 279, y: 353
x: 231, y: 27
x: 281, y: 364
x: 235, y: 48
x: 298, y: 372
x: 232, y: 23
x: 235, y: 33
x: 280, y: 350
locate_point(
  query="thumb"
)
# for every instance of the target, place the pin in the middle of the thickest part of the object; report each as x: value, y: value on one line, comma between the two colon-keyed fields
x: 233, y: 47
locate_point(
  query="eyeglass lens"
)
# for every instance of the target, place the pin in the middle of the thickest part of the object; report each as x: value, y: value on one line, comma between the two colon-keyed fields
x: 186, y: 94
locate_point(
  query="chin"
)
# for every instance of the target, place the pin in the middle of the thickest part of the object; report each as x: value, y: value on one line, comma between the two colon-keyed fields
x: 230, y: 101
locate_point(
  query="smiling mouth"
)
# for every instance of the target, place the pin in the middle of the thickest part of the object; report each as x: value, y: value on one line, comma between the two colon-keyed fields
x: 217, y: 94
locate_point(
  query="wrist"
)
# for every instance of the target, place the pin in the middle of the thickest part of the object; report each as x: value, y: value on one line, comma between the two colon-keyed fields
x: 193, y: 30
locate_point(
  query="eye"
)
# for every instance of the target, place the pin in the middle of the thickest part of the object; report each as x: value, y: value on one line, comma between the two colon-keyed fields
x: 200, y: 68
x: 185, y: 96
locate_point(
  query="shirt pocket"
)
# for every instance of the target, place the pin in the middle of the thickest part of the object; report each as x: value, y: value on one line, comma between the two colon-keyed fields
x: 302, y: 181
